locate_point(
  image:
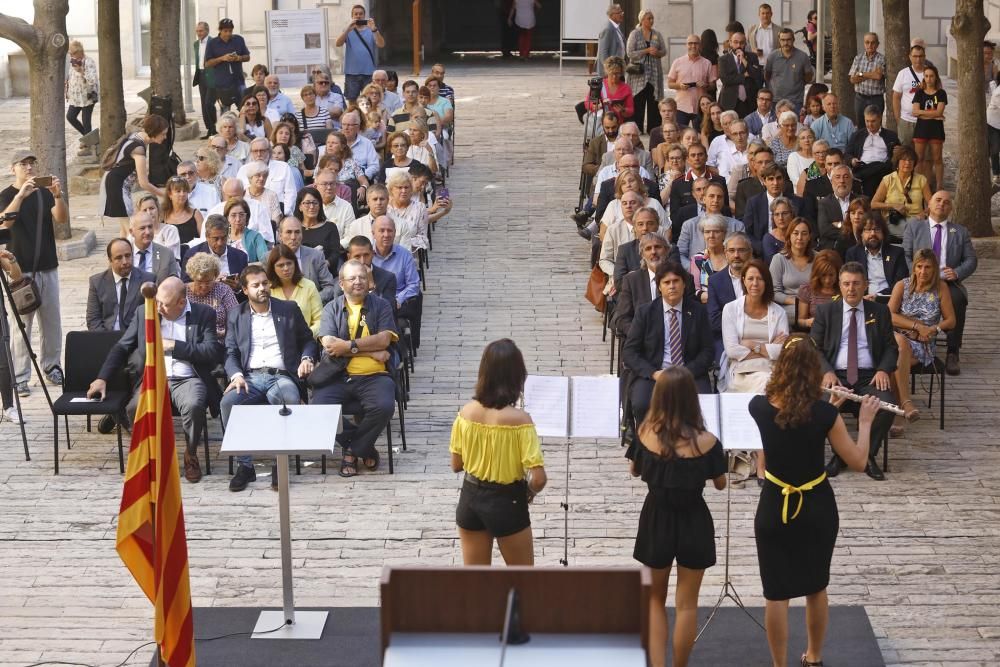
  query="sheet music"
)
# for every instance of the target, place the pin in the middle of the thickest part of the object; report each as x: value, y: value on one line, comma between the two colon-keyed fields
x: 710, y: 413
x: 739, y: 430
x: 595, y: 407
x: 546, y: 399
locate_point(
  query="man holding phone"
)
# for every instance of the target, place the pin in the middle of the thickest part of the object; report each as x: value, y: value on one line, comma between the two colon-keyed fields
x: 360, y: 39
x: 689, y: 75
x: 224, y: 58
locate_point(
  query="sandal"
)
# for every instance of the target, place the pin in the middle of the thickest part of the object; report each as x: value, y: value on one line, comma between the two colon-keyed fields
x: 372, y: 463
x: 911, y: 415
x: 348, y: 466
x: 895, y: 431
x: 806, y: 663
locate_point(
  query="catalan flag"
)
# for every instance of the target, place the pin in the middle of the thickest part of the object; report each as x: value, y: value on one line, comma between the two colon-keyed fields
x: 151, y: 540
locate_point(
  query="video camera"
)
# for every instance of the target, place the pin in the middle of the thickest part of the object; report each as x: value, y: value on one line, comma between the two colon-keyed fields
x: 594, y: 86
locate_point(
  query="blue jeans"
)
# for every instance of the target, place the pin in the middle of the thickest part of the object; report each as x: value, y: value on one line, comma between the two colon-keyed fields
x: 354, y: 83
x: 262, y: 388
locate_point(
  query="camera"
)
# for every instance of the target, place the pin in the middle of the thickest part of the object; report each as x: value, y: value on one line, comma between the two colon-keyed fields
x: 76, y: 62
x: 595, y: 86
x: 360, y: 22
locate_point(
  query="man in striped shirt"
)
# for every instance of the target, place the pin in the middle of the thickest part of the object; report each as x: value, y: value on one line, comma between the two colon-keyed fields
x: 868, y: 76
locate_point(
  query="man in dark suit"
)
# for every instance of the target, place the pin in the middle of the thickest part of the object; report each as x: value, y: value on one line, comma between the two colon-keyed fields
x: 264, y: 368
x: 191, y: 351
x: 753, y: 184
x: 670, y: 330
x: 725, y: 286
x: 114, y: 294
x: 757, y: 217
x: 831, y: 210
x: 884, y: 263
x: 869, y: 151
x: 655, y: 249
x: 233, y: 259
x: 148, y: 256
x: 681, y: 191
x: 311, y: 261
x: 857, y: 351
x: 741, y: 75
x: 203, y: 79
x: 953, y: 245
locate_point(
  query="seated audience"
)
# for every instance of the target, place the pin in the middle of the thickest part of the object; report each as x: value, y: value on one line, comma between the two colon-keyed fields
x: 680, y: 191
x: 256, y: 191
x: 902, y: 195
x: 399, y: 144
x: 113, y: 294
x: 884, y: 263
x: 146, y: 204
x: 870, y: 151
x: 786, y: 142
x: 238, y: 213
x: 802, y: 158
x: 832, y: 210
x: 628, y: 180
x: 776, y: 239
x: 752, y: 184
x: 714, y: 201
x: 381, y: 282
x: 724, y: 286
x: 206, y: 288
x: 622, y: 232
x: 378, y: 205
x: 148, y: 256
x: 757, y: 217
x: 397, y: 260
x: 792, y: 267
x: 317, y: 232
x: 816, y: 168
x: 336, y: 210
x: 203, y: 193
x: 288, y: 284
x: 260, y: 215
x: 763, y: 115
x: 280, y: 178
x: 833, y: 127
x: 177, y: 212
x: 410, y: 216
x: 232, y: 260
x: 712, y: 258
x: 630, y: 131
x: 822, y: 287
x: 820, y: 186
x: 627, y: 257
x: 312, y: 263
x: 639, y: 287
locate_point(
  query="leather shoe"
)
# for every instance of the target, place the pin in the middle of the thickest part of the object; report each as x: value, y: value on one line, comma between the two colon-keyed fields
x: 192, y: 468
x: 244, y: 475
x: 951, y: 366
x: 106, y: 425
x: 585, y: 233
x: 835, y: 465
x: 873, y: 471
x: 580, y: 218
x: 207, y: 135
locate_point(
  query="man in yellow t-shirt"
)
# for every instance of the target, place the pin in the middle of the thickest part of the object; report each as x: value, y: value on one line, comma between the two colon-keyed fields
x: 358, y: 326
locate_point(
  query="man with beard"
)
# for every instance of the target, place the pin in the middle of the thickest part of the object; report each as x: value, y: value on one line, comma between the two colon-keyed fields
x: 723, y: 286
x: 884, y: 263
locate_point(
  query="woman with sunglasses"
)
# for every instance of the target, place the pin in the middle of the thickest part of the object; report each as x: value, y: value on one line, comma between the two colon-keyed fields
x: 251, y: 123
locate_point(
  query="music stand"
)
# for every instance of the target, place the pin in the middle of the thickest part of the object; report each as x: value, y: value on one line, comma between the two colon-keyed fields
x: 260, y: 430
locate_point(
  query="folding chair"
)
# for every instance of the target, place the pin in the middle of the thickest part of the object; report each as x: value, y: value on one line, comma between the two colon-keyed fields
x: 935, y: 369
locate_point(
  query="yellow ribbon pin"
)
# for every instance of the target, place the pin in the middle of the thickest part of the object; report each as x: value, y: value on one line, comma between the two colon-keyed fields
x: 788, y: 489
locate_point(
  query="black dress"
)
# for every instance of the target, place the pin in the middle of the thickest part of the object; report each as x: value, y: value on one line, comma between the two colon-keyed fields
x: 675, y: 523
x: 120, y: 179
x: 794, y: 557
x: 325, y: 235
x: 187, y: 231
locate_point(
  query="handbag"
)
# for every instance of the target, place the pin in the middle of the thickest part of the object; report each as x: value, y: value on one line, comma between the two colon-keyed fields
x: 24, y: 293
x: 330, y: 368
x: 636, y: 68
x: 595, y: 289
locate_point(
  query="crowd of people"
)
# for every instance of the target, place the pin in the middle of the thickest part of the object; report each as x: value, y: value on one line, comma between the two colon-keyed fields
x: 748, y: 234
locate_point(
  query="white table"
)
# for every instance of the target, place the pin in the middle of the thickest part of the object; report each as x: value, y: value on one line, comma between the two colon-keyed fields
x: 260, y: 430
x: 544, y: 650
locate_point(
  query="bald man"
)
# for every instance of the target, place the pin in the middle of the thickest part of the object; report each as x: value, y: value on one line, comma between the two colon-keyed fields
x: 191, y: 351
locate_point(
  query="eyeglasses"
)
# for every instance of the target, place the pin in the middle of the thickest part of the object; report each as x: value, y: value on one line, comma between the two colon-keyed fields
x: 181, y: 175
x: 322, y: 83
x: 178, y: 179
x: 237, y: 215
x: 310, y: 203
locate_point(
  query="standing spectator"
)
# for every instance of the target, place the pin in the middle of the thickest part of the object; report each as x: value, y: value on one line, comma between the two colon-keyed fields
x: 8, y: 264
x: 689, y: 76
x: 203, y: 79
x: 522, y: 16
x: 990, y: 69
x: 360, y: 39
x: 507, y: 35
x: 928, y: 108
x: 765, y: 36
x: 868, y: 76
x: 646, y: 49
x: 993, y: 121
x: 611, y: 40
x: 742, y: 77
x: 834, y: 128
x: 224, y: 57
x: 130, y: 170
x: 788, y: 70
x: 710, y: 52
x: 33, y: 235
x: 811, y: 33
x: 903, y: 89
x: 81, y: 90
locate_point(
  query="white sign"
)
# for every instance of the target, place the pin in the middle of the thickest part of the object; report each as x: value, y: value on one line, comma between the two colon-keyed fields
x: 727, y: 417
x: 578, y: 407
x: 296, y: 42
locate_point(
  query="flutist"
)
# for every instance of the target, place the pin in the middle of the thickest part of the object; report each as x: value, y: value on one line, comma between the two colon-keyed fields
x: 859, y: 353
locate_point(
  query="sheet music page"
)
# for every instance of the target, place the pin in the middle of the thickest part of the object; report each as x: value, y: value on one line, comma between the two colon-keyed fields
x: 739, y: 430
x: 595, y: 407
x: 546, y: 399
x: 710, y: 413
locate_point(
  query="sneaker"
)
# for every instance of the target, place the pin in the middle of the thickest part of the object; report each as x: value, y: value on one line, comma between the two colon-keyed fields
x: 12, y: 415
x: 22, y: 389
x: 54, y: 375
x: 244, y: 475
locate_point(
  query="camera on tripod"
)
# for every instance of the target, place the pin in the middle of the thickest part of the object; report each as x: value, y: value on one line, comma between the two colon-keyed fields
x: 595, y: 86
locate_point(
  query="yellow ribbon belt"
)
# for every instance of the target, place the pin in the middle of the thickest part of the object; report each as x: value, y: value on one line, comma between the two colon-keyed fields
x: 788, y: 489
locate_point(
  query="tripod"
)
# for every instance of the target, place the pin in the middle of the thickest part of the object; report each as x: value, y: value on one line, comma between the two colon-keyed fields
x: 564, y: 561
x: 728, y: 589
x: 591, y: 128
x: 5, y: 341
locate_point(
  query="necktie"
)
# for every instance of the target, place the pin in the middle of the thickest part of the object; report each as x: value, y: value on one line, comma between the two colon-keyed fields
x: 122, y: 289
x: 852, y: 349
x: 676, y: 352
x: 937, y: 241
x: 142, y: 259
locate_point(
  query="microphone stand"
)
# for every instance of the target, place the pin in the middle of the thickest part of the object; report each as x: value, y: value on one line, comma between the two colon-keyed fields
x: 512, y: 633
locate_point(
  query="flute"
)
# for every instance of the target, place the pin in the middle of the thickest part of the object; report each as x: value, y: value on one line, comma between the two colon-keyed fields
x: 851, y: 396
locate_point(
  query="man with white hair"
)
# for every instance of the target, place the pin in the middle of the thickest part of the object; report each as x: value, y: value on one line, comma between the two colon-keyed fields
x: 279, y: 102
x: 390, y: 100
x: 719, y: 144
x: 230, y: 165
x: 361, y: 147
x: 611, y: 40
x: 279, y: 175
x: 232, y: 188
x: 735, y: 153
x: 337, y: 211
x: 631, y: 132
x: 623, y: 146
x: 202, y: 196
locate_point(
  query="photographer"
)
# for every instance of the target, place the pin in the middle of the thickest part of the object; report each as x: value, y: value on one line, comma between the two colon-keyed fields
x: 615, y: 95
x: 81, y: 90
x: 360, y: 39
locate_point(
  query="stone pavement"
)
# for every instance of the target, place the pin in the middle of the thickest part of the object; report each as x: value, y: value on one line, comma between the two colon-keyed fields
x: 919, y: 551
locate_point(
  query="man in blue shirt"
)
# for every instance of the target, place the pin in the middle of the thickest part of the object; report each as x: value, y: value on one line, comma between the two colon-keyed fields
x: 225, y: 56
x: 361, y: 37
x: 832, y: 127
x: 395, y: 258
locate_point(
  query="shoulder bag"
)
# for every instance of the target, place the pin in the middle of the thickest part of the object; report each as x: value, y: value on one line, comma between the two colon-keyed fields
x: 24, y: 293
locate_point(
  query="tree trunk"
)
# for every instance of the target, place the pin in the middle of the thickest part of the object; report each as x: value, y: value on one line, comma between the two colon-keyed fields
x: 165, y: 54
x: 896, y: 23
x: 45, y: 44
x: 113, y: 113
x: 972, y: 191
x: 845, y: 47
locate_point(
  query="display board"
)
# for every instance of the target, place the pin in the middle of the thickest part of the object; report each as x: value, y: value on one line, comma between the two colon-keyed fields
x: 296, y: 41
x: 583, y: 19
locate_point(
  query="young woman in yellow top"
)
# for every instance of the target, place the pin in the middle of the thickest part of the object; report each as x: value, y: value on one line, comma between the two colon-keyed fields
x: 497, y: 446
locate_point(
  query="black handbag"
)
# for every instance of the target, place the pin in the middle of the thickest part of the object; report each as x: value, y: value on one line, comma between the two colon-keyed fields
x: 24, y: 293
x: 330, y: 368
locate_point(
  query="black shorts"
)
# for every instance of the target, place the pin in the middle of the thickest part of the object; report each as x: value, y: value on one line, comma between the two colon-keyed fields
x: 499, y: 509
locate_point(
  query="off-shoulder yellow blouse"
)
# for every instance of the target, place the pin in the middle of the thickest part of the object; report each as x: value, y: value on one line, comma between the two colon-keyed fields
x: 495, y: 452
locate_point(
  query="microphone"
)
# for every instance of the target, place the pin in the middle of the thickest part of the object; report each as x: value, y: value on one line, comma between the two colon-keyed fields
x: 284, y: 411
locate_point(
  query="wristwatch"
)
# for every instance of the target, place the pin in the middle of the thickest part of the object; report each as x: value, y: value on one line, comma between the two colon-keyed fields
x: 756, y: 348
x: 354, y: 347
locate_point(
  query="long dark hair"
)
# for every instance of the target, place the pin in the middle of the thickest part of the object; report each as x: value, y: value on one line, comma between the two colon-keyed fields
x: 313, y: 192
x: 674, y: 411
x: 710, y: 46
x: 795, y: 381
x: 501, y: 375
x: 278, y: 252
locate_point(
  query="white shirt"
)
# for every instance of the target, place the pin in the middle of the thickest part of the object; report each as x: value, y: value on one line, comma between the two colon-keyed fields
x: 864, y: 354
x: 718, y: 145
x: 331, y: 101
x: 230, y: 168
x: 359, y: 227
x: 203, y: 197
x: 845, y: 203
x: 240, y: 151
x: 906, y: 86
x: 876, y: 272
x: 141, y: 263
x: 279, y: 180
x: 765, y: 41
x: 176, y: 330
x: 737, y: 283
x: 340, y: 213
x: 611, y: 171
x: 260, y: 219
x: 731, y: 159
x: 874, y: 149
x: 652, y: 285
x: 202, y: 43
x: 944, y: 239
x: 265, y: 352
x: 667, y: 318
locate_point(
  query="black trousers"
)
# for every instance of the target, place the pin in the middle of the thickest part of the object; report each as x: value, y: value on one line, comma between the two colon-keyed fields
x: 883, y: 419
x: 84, y: 126
x: 375, y: 395
x: 871, y: 175
x: 207, y: 102
x: 960, y: 301
x: 646, y: 114
x: 412, y: 310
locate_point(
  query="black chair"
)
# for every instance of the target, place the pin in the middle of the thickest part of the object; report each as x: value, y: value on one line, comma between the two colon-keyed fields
x: 935, y: 369
x: 85, y: 354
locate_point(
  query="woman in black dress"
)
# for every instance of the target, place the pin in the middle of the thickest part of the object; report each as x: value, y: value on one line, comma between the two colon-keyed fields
x: 130, y: 171
x: 674, y: 455
x: 796, y: 522
x: 317, y: 231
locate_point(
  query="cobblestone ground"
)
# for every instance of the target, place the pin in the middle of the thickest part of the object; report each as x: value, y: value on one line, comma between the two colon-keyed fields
x: 919, y: 551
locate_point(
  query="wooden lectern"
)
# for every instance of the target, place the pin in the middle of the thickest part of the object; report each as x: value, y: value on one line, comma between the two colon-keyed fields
x: 456, y: 613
